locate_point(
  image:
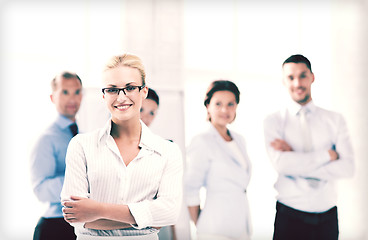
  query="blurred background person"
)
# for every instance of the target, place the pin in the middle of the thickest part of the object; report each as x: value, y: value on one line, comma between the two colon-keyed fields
x: 310, y: 148
x: 48, y: 157
x: 217, y: 160
x: 149, y: 107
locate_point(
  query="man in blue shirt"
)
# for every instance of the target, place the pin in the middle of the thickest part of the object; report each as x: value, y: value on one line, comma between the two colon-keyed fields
x: 48, y: 157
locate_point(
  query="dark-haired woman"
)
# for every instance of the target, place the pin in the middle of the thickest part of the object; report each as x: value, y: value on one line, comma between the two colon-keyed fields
x: 218, y: 161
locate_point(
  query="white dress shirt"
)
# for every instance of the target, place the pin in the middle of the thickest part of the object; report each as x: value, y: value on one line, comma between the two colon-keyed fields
x: 306, y: 180
x: 212, y: 164
x: 151, y: 185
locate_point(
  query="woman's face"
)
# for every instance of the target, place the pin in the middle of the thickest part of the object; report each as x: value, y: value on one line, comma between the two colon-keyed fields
x: 148, y: 111
x: 222, y: 108
x: 123, y: 107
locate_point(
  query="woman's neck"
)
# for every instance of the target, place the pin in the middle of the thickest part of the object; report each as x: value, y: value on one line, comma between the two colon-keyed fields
x: 126, y: 130
x: 224, y: 132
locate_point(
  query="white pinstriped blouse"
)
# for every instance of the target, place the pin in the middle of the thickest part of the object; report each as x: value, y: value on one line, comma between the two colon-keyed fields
x: 151, y: 185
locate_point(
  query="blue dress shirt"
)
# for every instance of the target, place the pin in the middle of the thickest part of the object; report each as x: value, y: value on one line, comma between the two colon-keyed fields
x: 48, y: 165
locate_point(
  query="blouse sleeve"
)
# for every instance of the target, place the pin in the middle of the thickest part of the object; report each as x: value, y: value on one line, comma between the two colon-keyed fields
x: 165, y: 209
x: 75, y: 181
x: 198, y: 164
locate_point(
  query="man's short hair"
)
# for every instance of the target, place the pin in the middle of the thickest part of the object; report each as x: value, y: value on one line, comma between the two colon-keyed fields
x: 298, y: 58
x: 66, y: 75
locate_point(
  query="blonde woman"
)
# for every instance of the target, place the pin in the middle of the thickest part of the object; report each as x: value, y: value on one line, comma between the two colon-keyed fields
x: 218, y: 161
x: 122, y: 181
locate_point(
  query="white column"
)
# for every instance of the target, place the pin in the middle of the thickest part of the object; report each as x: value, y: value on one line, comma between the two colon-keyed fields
x: 349, y: 96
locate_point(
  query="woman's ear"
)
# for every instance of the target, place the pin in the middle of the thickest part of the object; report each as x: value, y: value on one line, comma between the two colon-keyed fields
x: 208, y: 118
x: 145, y: 91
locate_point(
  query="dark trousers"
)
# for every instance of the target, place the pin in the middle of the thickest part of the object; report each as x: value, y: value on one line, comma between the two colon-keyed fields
x: 53, y: 229
x: 293, y: 224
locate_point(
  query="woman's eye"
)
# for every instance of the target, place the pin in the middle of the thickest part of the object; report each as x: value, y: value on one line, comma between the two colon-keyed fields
x: 112, y: 90
x: 130, y: 88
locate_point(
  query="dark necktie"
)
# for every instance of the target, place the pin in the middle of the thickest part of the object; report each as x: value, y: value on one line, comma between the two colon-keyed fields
x: 74, y: 128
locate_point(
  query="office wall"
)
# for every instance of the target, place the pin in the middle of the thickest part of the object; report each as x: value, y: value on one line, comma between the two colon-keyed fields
x: 348, y: 95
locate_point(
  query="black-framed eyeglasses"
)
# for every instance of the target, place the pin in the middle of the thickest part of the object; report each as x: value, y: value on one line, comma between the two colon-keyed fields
x: 113, y: 91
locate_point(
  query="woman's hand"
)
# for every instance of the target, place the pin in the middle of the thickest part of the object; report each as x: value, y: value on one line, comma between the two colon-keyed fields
x: 80, y: 209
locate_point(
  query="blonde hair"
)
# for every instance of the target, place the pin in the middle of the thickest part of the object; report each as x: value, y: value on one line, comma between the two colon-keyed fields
x: 127, y: 60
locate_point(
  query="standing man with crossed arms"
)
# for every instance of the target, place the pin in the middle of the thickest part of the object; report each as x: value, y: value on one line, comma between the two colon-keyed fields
x: 48, y: 157
x: 310, y: 148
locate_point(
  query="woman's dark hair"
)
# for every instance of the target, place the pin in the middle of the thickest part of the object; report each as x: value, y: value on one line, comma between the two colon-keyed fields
x: 153, y: 95
x: 221, y: 85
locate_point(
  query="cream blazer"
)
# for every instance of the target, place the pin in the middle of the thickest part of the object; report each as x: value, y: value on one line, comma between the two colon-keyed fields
x: 212, y: 165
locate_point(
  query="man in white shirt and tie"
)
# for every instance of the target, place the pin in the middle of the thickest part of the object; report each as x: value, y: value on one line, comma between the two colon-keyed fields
x: 310, y: 148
